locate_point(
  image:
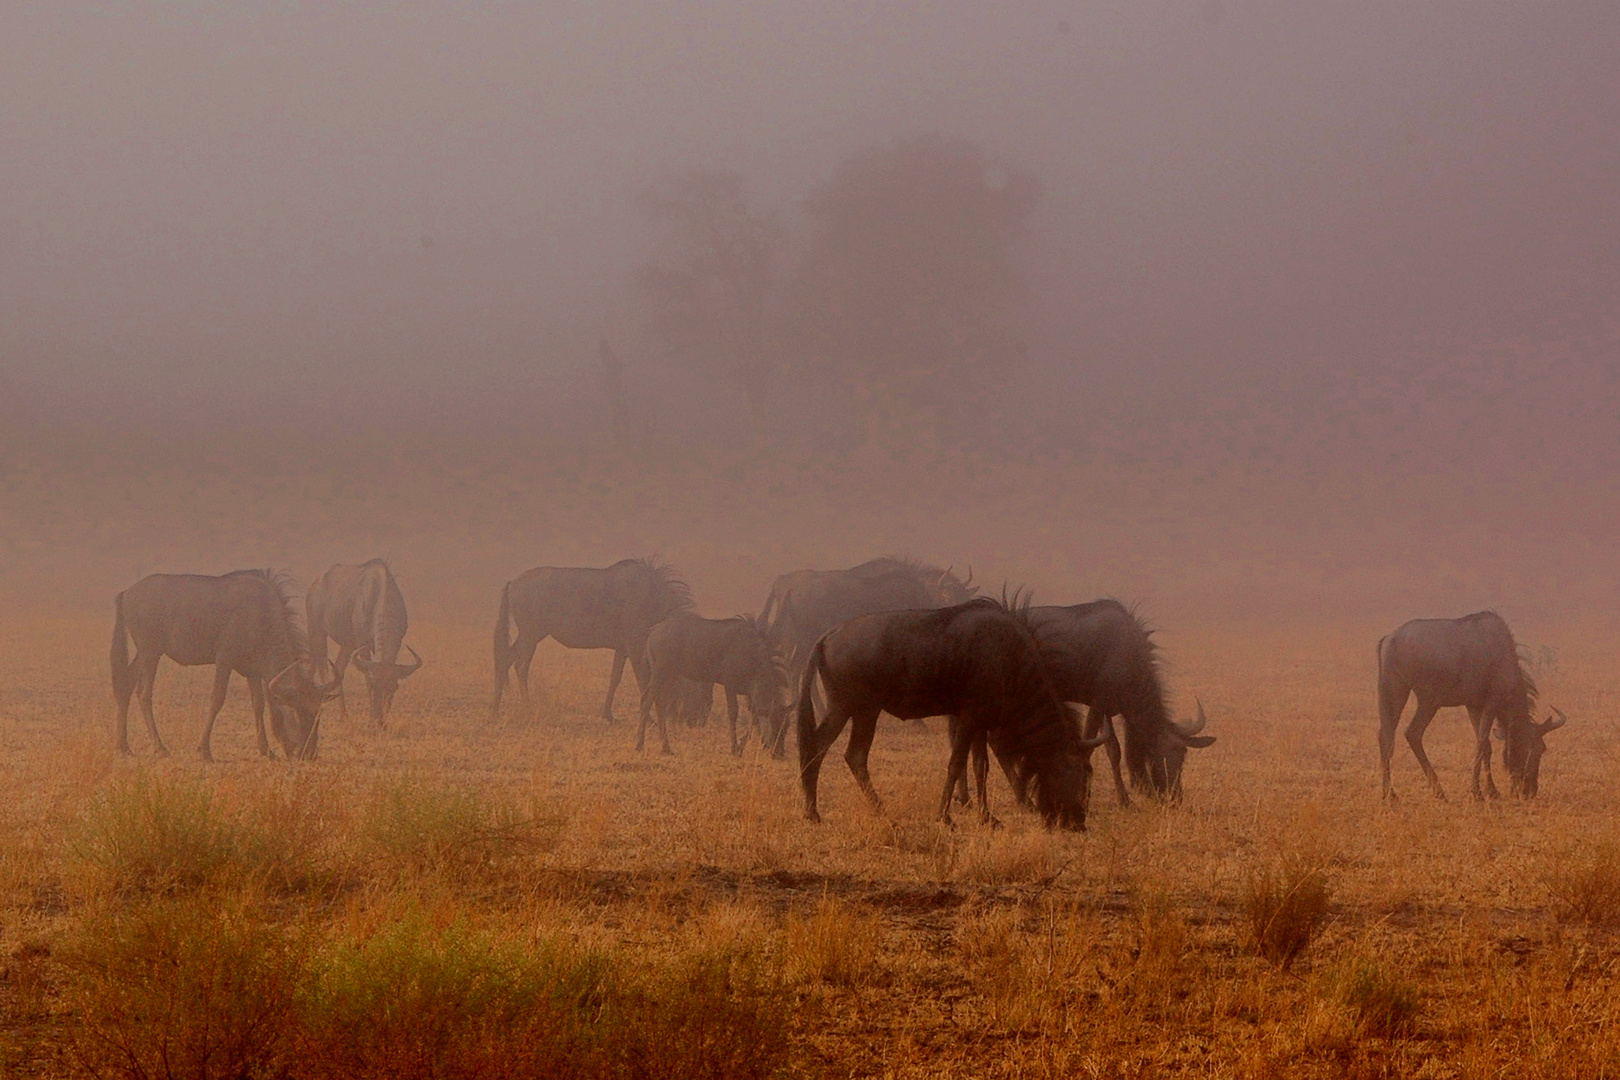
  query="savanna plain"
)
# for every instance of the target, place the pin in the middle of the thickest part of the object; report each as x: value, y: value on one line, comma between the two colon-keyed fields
x: 456, y: 895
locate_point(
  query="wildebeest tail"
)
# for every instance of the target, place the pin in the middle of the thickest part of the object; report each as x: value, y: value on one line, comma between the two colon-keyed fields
x: 123, y: 678
x: 806, y: 725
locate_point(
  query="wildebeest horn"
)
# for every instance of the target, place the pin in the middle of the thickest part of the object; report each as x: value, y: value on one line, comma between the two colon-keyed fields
x: 361, y: 660
x: 414, y: 667
x: 1553, y: 725
x: 1188, y: 728
x: 270, y: 687
x: 969, y: 580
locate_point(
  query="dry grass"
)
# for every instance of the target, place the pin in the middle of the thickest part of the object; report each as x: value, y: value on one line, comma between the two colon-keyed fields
x: 458, y: 897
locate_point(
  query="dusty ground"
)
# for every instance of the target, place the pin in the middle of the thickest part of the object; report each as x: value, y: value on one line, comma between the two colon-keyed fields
x: 1458, y: 939
x: 1125, y: 951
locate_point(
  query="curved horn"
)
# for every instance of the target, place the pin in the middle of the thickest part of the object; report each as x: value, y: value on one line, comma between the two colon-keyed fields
x: 1553, y: 725
x: 969, y: 580
x: 412, y: 669
x: 361, y: 659
x: 270, y: 687
x: 1188, y: 728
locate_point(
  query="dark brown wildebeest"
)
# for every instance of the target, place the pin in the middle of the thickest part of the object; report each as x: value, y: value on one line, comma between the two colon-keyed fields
x: 240, y: 622
x: 694, y: 702
x: 585, y: 608
x: 1473, y: 662
x: 361, y: 608
x: 1103, y: 657
x: 978, y: 662
x: 805, y: 604
x: 687, y: 650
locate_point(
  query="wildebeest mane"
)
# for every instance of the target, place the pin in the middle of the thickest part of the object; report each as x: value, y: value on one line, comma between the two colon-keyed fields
x: 289, y: 626
x: 674, y: 594
x: 1039, y: 729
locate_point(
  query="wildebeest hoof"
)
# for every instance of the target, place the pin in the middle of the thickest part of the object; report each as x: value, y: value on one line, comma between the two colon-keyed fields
x: 161, y: 751
x: 994, y: 823
x: 667, y: 750
x: 736, y: 749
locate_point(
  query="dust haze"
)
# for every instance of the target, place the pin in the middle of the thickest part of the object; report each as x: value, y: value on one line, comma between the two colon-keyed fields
x: 1232, y: 308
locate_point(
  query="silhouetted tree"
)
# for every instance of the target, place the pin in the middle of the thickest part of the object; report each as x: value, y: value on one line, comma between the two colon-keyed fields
x: 707, y: 291
x: 908, y: 293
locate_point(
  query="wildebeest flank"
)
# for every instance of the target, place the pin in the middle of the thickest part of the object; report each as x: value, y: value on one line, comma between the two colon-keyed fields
x: 978, y: 662
x: 585, y: 608
x: 805, y: 604
x: 1473, y: 662
x: 687, y: 650
x: 361, y: 608
x: 241, y: 622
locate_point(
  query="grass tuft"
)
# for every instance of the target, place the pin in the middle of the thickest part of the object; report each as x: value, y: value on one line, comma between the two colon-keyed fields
x: 147, y: 834
x: 1584, y: 880
x: 413, y: 826
x: 837, y: 945
x: 1286, y: 904
x: 1384, y: 1004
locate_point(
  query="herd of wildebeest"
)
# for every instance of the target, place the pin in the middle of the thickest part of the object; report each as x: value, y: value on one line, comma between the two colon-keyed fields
x: 831, y: 648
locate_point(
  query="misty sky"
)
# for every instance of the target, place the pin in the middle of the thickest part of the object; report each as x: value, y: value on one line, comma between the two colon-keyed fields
x: 1270, y: 217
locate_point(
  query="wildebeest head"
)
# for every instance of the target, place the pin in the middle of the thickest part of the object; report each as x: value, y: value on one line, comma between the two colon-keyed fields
x: 1523, y: 745
x: 1062, y: 781
x: 383, y: 679
x: 950, y: 589
x: 1179, y: 736
x: 295, y: 700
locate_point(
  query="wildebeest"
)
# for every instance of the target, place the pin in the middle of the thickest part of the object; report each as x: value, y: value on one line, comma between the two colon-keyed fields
x: 361, y: 608
x: 978, y: 662
x: 805, y: 604
x: 1473, y: 662
x: 585, y: 608
x: 240, y: 622
x: 1103, y: 657
x: 687, y: 650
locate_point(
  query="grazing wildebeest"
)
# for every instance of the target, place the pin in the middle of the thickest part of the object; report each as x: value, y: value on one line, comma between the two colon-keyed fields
x: 585, y: 608
x: 1103, y: 657
x: 1473, y: 662
x: 978, y: 662
x: 687, y: 649
x: 240, y: 622
x: 362, y: 609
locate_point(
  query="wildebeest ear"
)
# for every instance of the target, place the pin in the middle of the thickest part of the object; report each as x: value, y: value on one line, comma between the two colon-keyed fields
x: 1199, y: 740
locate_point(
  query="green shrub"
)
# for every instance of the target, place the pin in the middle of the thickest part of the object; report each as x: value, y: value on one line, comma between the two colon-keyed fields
x: 413, y: 826
x: 145, y: 834
x: 180, y: 987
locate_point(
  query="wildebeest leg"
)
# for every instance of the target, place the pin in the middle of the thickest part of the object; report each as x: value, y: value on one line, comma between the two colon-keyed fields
x: 652, y: 696
x: 855, y: 754
x: 1414, y: 736
x: 981, y: 778
x: 825, y: 734
x: 961, y: 745
x: 1096, y: 720
x: 953, y: 725
x: 522, y: 660
x: 145, y: 677
x: 256, y: 695
x: 731, y: 715
x: 123, y: 690
x: 1389, y: 718
x: 613, y: 682
x: 222, y: 681
x: 340, y: 666
x: 1482, y: 722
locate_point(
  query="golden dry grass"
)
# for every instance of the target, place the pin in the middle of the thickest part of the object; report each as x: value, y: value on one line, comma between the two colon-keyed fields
x: 1460, y: 938
x: 533, y: 897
